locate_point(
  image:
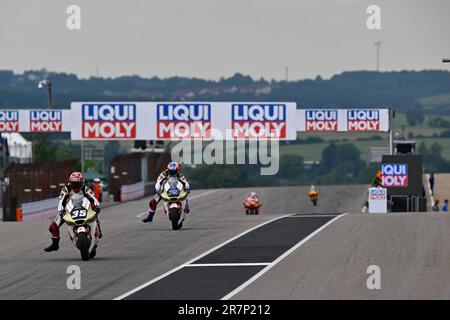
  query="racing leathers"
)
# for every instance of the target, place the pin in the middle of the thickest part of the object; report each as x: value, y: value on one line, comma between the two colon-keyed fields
x: 67, y: 193
x: 159, y: 188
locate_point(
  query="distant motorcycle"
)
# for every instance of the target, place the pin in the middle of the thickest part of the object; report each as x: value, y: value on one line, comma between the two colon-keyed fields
x: 174, y: 195
x: 83, y: 228
x: 252, y: 205
x: 314, y: 196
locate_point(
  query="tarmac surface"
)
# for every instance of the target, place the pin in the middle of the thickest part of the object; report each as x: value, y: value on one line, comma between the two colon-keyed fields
x: 132, y: 253
x: 410, y: 249
x: 271, y: 256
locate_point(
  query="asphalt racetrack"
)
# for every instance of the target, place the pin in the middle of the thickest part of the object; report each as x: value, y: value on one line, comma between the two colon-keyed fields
x: 291, y: 251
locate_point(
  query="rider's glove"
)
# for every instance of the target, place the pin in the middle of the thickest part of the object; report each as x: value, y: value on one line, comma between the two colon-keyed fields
x: 157, y: 188
x: 187, y: 189
x: 96, y: 209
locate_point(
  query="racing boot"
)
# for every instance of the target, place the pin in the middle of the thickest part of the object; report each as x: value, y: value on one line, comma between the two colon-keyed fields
x: 149, y: 216
x: 54, y: 246
x: 186, y: 207
x: 93, y: 253
x: 100, y: 234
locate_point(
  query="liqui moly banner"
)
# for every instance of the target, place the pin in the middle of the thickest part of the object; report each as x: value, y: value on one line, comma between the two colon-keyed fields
x: 368, y: 120
x: 191, y: 120
x: 9, y: 121
x: 39, y: 120
x: 394, y: 175
x: 321, y: 120
x: 343, y: 120
x: 181, y: 120
x: 49, y: 120
x: 106, y: 121
x: 261, y: 121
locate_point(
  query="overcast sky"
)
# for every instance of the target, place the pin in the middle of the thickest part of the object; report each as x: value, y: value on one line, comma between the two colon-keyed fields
x: 215, y: 38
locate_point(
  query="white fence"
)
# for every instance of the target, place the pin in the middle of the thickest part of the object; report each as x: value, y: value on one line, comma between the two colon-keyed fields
x: 40, y: 210
x: 132, y: 191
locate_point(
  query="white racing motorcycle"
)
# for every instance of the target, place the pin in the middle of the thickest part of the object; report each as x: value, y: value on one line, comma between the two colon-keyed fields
x: 174, y: 198
x: 83, y: 229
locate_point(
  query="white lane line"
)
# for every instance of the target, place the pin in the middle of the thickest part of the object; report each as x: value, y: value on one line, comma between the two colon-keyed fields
x: 313, y: 215
x: 429, y: 190
x: 227, y: 264
x: 141, y: 215
x: 284, y: 255
x: 197, y: 258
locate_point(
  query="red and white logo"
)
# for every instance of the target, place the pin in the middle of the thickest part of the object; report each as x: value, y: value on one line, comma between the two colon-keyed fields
x: 394, y: 175
x: 363, y: 120
x: 185, y: 121
x: 253, y: 121
x: 109, y: 121
x: 46, y: 121
x: 9, y: 121
x: 321, y: 120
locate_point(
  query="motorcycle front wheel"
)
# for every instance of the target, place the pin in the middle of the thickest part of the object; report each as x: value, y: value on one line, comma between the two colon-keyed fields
x: 83, y: 246
x: 174, y: 216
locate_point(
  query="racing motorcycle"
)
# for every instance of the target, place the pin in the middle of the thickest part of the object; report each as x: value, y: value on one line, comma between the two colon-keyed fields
x: 83, y: 229
x: 314, y: 196
x: 174, y: 195
x: 252, y: 205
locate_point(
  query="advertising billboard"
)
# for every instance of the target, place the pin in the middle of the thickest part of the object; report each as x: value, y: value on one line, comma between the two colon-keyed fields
x: 402, y: 174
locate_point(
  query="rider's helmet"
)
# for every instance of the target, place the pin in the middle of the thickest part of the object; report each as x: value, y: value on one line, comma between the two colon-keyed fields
x: 253, y: 194
x: 173, y: 168
x: 312, y: 189
x: 76, y: 181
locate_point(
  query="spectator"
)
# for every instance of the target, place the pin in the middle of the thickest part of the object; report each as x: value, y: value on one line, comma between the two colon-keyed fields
x: 445, y: 206
x: 431, y: 180
x: 97, y: 187
x: 435, y: 206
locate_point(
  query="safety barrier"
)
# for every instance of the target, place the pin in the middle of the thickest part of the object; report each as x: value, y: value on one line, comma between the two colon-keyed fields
x: 33, y: 183
x: 39, y: 210
x: 134, y: 168
x: 132, y: 191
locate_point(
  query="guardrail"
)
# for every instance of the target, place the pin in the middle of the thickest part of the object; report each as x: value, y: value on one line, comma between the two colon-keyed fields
x: 132, y: 191
x: 40, y: 210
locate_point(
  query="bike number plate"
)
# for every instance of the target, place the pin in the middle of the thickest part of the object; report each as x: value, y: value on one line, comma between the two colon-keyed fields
x: 79, y: 213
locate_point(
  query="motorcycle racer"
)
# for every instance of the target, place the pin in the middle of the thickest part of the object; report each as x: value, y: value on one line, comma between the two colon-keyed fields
x: 377, y: 180
x: 313, y: 194
x: 75, y: 190
x: 252, y: 201
x: 313, y: 191
x: 173, y: 169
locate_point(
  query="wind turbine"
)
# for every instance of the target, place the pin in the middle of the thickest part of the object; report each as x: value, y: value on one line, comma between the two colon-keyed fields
x: 378, y: 45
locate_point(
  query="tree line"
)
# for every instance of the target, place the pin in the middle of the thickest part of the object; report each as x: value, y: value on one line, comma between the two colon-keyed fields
x: 398, y: 90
